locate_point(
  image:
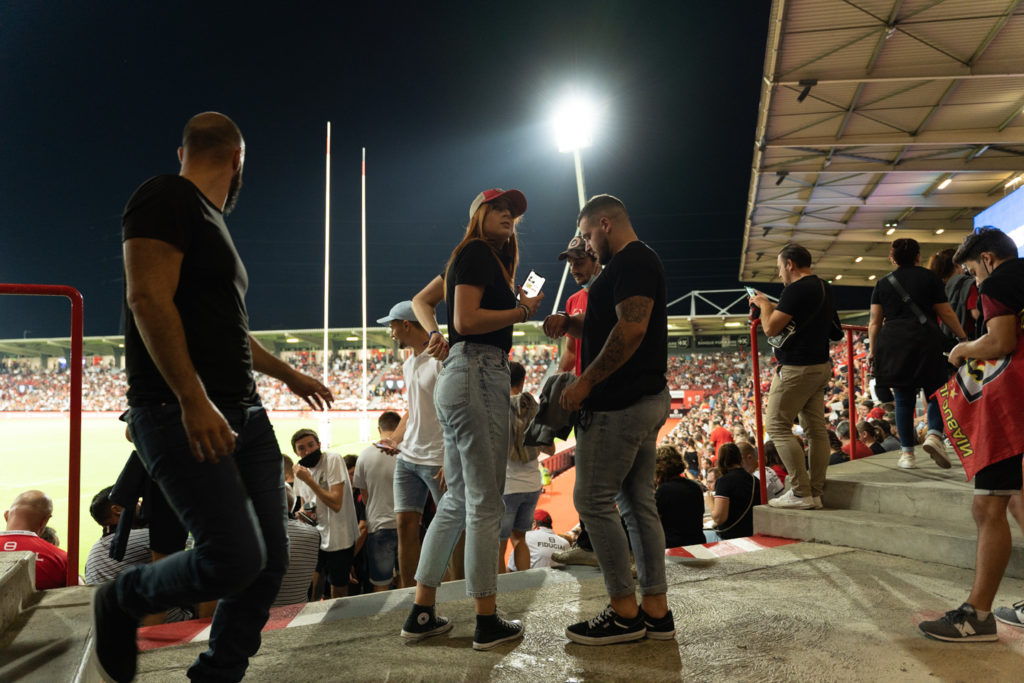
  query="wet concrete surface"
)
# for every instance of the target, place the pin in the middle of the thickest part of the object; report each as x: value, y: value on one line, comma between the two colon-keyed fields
x: 802, y: 612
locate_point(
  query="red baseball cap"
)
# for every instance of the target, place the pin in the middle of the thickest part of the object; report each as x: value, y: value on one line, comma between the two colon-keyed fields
x: 542, y: 518
x: 516, y: 198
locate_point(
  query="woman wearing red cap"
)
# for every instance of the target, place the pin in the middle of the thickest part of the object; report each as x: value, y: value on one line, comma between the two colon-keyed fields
x: 471, y: 398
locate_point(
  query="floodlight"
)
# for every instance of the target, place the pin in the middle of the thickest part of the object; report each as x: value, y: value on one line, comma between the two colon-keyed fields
x: 574, y: 122
x: 945, y: 183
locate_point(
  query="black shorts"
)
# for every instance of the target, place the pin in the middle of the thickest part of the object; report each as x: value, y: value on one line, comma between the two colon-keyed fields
x: 336, y: 564
x: 1003, y: 478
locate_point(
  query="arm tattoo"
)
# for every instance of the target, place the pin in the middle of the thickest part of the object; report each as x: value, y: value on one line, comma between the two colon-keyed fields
x: 635, y: 309
x: 621, y: 345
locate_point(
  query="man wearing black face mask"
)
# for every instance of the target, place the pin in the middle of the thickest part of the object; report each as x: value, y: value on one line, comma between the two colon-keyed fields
x: 322, y: 479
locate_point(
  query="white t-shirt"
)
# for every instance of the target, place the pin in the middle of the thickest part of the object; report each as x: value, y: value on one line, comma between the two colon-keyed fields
x: 772, y: 482
x: 423, y: 442
x: 522, y: 477
x: 542, y: 542
x: 375, y: 473
x: 338, y: 530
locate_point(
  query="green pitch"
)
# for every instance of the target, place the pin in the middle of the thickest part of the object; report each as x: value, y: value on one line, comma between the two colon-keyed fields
x: 34, y: 455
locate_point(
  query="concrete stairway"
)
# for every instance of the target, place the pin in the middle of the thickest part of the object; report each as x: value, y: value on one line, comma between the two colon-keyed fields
x: 922, y: 514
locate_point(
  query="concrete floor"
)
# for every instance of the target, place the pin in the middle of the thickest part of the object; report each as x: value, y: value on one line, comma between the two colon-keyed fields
x: 802, y: 612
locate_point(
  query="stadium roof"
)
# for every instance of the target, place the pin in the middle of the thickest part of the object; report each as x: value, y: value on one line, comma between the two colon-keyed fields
x: 877, y: 112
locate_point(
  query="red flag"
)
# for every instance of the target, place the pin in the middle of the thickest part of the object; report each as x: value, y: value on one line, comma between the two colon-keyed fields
x: 981, y: 410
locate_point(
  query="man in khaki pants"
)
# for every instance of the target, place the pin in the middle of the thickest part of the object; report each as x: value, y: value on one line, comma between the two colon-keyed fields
x: 801, y: 320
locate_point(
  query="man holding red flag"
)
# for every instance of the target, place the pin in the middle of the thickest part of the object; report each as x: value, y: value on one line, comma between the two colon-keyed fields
x: 979, y: 407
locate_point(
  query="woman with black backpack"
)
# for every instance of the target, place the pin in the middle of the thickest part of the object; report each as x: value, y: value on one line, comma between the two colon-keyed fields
x: 906, y: 345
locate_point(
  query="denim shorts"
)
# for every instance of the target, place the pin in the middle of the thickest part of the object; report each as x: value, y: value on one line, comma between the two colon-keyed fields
x: 412, y: 485
x: 519, y: 509
x: 382, y: 556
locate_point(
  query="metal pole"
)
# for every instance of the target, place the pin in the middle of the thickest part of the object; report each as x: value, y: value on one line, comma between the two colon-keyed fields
x: 758, y: 421
x: 364, y: 424
x: 325, y: 421
x: 581, y: 191
x: 849, y: 382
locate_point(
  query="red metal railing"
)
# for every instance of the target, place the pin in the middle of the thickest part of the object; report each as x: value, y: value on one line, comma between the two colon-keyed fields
x: 758, y: 408
x: 75, y: 452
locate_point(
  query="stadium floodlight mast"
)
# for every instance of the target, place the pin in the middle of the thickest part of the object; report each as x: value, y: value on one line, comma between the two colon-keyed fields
x: 574, y: 122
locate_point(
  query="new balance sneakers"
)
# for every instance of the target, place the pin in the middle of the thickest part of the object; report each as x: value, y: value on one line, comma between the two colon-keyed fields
x: 492, y: 630
x: 1014, y: 616
x: 791, y: 501
x: 936, y: 447
x: 659, y: 629
x: 907, y: 461
x: 576, y: 555
x: 607, y: 628
x: 422, y: 623
x: 961, y: 625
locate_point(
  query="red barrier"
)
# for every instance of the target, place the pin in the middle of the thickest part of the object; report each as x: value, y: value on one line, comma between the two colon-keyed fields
x: 758, y: 408
x: 75, y: 453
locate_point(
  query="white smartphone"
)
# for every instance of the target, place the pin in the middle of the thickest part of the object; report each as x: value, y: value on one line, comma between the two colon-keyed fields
x: 750, y: 290
x: 533, y: 284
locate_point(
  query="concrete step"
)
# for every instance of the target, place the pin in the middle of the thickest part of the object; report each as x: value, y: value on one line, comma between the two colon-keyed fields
x: 877, y: 484
x: 928, y: 540
x: 17, y: 583
x: 48, y: 639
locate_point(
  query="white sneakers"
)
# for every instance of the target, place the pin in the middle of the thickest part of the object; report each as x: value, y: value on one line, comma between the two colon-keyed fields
x: 907, y: 461
x: 791, y: 501
x: 936, y: 447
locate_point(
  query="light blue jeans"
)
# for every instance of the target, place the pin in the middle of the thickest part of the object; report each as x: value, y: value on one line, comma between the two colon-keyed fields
x: 615, y: 456
x: 471, y: 398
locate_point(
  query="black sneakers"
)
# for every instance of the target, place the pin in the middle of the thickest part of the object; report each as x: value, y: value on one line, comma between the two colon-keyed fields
x: 492, y: 630
x: 423, y: 623
x: 114, y: 648
x: 659, y: 629
x: 961, y: 625
x: 607, y: 628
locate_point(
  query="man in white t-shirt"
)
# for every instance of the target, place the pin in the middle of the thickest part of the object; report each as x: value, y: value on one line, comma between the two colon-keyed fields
x: 418, y: 441
x: 542, y: 542
x: 321, y: 481
x: 375, y: 477
x: 772, y: 481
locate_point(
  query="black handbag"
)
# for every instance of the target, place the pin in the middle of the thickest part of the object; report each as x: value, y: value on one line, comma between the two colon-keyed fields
x: 835, y: 330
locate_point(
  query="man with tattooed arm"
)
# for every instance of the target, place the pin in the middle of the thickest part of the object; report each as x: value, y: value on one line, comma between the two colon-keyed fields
x: 623, y: 402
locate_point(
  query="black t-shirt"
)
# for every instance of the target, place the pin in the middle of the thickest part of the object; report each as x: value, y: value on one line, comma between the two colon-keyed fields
x: 681, y: 508
x: 210, y: 297
x: 738, y: 486
x: 635, y: 271
x: 924, y: 287
x: 1002, y: 292
x: 807, y: 301
x: 477, y: 264
x: 690, y: 458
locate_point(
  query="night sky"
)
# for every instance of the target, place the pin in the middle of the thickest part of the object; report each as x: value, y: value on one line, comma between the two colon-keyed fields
x: 449, y: 98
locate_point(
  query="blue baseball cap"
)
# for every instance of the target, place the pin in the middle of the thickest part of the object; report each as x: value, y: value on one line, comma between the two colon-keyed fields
x: 400, y: 311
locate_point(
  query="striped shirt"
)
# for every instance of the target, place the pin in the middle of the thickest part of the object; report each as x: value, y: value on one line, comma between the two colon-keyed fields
x: 303, y: 546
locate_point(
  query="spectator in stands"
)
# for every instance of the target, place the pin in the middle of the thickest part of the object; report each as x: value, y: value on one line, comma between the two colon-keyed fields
x: 889, y: 441
x: 773, y: 484
x: 772, y: 460
x: 322, y: 482
x: 26, y: 519
x: 418, y: 441
x: 806, y: 310
x: 542, y: 543
x: 735, y: 497
x: 50, y: 536
x: 990, y: 256
x: 851, y: 446
x: 303, y: 553
x: 584, y: 268
x: 690, y: 459
x: 719, y: 435
x: 471, y: 398
x: 960, y: 290
x: 868, y: 435
x: 375, y: 478
x: 838, y: 455
x: 680, y: 501
x: 100, y: 567
x: 906, y: 345
x: 359, y: 576
x: 626, y: 401
x: 522, y: 474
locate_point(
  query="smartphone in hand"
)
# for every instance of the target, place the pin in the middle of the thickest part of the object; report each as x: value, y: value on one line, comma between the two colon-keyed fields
x: 533, y: 284
x: 750, y: 290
